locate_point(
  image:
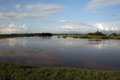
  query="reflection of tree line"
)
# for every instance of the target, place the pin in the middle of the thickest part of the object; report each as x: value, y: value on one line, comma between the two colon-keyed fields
x: 95, y: 41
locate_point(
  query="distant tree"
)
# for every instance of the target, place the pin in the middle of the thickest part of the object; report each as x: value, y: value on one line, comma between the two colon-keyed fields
x: 90, y: 33
x: 97, y: 33
x: 114, y: 34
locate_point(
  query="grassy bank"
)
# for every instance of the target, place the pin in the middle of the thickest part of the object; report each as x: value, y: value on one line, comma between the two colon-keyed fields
x: 24, y: 72
x: 93, y: 36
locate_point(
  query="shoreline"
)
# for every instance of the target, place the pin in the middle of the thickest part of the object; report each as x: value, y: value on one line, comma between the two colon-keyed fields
x: 89, y: 37
x: 24, y: 35
x: 96, y: 35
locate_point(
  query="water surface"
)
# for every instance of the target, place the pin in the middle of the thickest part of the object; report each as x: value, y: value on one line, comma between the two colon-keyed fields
x: 63, y: 52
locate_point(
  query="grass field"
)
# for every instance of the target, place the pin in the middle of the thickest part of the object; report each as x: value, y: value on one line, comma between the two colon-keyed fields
x: 10, y: 71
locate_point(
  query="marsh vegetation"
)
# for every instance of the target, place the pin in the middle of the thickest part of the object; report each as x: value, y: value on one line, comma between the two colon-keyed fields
x: 96, y: 35
x: 25, y: 72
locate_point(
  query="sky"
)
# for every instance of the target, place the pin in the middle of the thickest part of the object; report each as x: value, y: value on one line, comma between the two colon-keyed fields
x: 59, y: 16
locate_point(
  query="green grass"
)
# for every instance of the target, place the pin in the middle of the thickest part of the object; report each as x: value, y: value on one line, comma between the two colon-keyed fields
x: 24, y: 72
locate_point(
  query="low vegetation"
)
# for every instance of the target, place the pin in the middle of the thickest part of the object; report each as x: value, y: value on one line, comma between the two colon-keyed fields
x: 24, y: 35
x: 96, y: 35
x: 10, y: 71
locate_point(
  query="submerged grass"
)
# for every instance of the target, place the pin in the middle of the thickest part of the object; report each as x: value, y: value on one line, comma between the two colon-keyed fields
x: 10, y: 71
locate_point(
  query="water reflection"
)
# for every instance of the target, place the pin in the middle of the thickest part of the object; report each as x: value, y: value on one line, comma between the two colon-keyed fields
x: 30, y: 57
x: 70, y: 52
x: 97, y: 43
x: 103, y: 43
x: 21, y: 41
x: 12, y: 42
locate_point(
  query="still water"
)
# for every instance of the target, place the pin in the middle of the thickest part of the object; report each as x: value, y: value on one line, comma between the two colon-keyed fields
x: 62, y: 52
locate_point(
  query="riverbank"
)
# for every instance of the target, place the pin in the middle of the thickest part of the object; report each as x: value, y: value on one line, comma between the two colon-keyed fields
x: 92, y: 36
x: 24, y: 35
x: 10, y: 71
x: 95, y: 35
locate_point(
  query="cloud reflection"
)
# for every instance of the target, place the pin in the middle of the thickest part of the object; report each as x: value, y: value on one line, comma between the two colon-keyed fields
x: 12, y: 42
x: 89, y: 43
x: 87, y: 53
x: 102, y: 44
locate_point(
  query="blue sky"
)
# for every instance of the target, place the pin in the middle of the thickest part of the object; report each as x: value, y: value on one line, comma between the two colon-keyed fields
x: 59, y: 16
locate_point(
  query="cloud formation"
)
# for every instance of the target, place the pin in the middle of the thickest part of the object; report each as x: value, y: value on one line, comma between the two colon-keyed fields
x: 107, y: 27
x: 77, y: 29
x: 94, y: 4
x: 11, y: 28
x: 67, y: 27
x: 32, y: 11
x: 94, y: 28
x: 18, y: 6
x: 67, y: 21
x: 43, y: 7
x: 77, y: 26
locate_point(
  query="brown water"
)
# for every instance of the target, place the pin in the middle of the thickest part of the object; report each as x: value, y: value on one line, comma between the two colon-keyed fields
x: 66, y: 52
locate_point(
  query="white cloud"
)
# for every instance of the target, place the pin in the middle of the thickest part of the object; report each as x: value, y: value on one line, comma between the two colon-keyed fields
x: 90, y: 28
x: 67, y: 21
x: 107, y: 27
x: 56, y: 21
x: 64, y: 21
x: 11, y: 28
x: 77, y: 26
x: 18, y: 6
x: 77, y: 29
x: 67, y: 27
x: 5, y: 15
x: 94, y: 4
x: 32, y: 11
x: 94, y: 28
x: 43, y: 7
